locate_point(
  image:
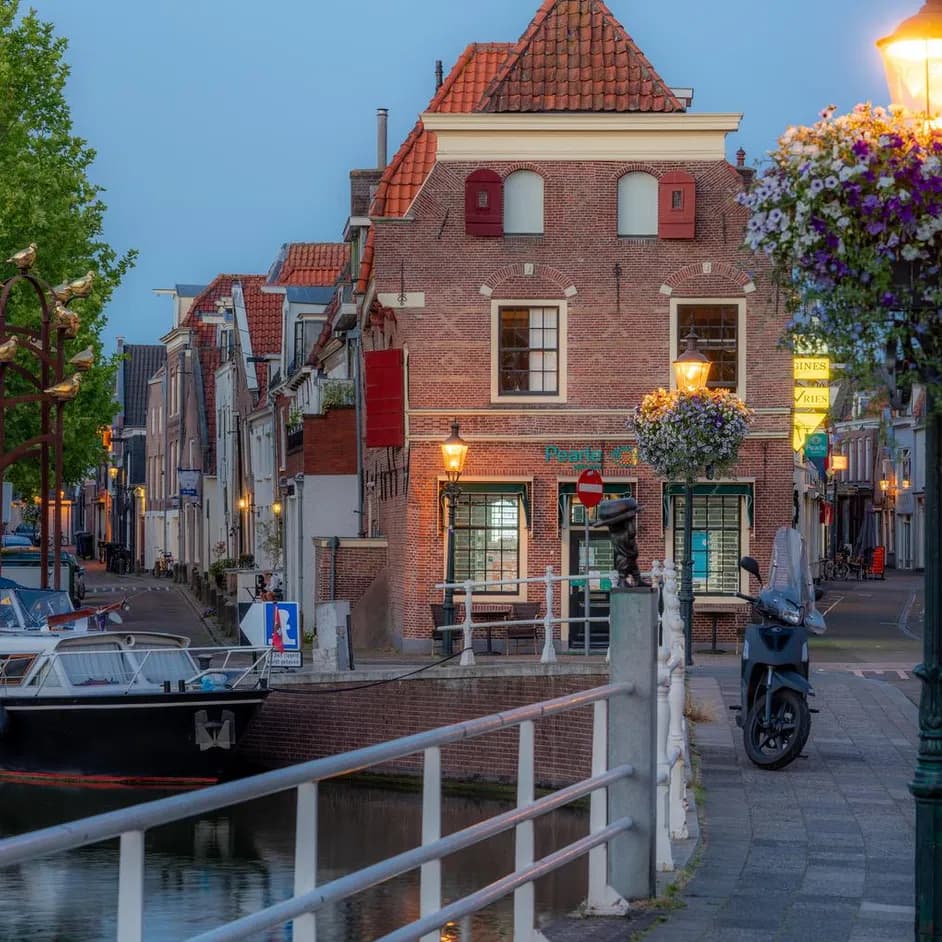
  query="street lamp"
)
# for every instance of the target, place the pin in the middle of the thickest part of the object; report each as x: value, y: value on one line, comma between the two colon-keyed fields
x: 913, y: 62
x: 454, y: 453
x: 691, y: 371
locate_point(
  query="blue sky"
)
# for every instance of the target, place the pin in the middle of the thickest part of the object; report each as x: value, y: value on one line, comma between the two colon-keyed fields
x: 227, y: 127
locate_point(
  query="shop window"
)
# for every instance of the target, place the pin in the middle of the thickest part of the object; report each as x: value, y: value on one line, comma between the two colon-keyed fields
x: 528, y: 351
x: 637, y: 205
x: 716, y: 546
x: 487, y: 539
x: 523, y: 203
x: 720, y: 328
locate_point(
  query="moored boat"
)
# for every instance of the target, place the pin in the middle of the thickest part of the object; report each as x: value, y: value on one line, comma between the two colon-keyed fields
x: 121, y: 707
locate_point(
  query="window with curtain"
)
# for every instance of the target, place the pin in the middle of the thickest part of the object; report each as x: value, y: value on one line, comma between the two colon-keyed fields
x: 98, y: 664
x: 716, y: 542
x: 487, y: 539
x: 171, y: 664
x: 523, y: 203
x: 528, y: 351
x: 637, y: 205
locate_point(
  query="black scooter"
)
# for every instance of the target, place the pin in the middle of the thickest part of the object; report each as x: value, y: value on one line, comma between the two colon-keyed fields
x: 774, y: 713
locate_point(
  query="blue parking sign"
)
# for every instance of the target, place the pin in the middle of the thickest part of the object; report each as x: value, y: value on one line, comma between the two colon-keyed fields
x: 289, y: 622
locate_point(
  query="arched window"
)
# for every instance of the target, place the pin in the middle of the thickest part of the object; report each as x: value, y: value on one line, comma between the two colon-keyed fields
x: 637, y: 205
x: 523, y: 203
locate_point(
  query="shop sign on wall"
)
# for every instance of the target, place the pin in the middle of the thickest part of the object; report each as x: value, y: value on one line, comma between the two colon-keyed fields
x: 579, y: 459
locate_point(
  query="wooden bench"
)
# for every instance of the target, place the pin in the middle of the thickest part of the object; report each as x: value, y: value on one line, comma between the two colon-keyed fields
x: 488, y: 612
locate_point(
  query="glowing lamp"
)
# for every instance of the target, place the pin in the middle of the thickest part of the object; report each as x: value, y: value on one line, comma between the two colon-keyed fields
x: 454, y: 452
x: 912, y: 59
x: 691, y: 368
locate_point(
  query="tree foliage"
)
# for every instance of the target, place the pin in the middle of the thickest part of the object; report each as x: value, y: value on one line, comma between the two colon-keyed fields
x: 46, y: 197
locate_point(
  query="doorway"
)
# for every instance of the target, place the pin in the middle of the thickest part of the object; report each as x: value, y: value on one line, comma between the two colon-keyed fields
x: 598, y: 563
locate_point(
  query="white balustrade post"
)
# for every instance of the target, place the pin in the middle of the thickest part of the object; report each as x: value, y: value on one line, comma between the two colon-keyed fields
x: 430, y: 891
x: 674, y: 630
x: 524, y: 896
x: 665, y: 859
x: 131, y: 887
x: 305, y: 859
x: 467, y: 653
x: 600, y: 894
x: 549, y: 650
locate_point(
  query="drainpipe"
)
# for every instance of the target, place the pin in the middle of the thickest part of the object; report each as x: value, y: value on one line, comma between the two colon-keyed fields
x: 299, y: 487
x: 354, y: 337
x: 334, y: 545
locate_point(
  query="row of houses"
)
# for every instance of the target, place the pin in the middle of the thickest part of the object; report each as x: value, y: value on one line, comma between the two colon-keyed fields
x: 526, y: 265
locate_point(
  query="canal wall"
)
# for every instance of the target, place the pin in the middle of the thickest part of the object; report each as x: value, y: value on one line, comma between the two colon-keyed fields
x: 309, y: 720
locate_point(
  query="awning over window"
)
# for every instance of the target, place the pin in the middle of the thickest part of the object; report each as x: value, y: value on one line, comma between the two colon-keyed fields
x: 520, y: 488
x: 709, y: 490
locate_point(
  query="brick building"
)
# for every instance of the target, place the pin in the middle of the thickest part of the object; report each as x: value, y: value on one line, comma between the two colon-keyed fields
x: 554, y: 224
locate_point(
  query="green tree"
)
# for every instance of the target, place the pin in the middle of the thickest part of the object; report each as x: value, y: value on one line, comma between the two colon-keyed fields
x: 46, y: 197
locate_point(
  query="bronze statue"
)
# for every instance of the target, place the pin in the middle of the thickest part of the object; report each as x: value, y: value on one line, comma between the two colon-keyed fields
x: 621, y: 518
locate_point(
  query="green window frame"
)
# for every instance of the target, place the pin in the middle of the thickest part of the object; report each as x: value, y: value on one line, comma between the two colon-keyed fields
x: 717, y: 540
x: 487, y: 538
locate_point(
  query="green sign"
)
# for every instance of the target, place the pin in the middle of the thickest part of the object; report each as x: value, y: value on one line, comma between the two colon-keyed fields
x: 816, y: 445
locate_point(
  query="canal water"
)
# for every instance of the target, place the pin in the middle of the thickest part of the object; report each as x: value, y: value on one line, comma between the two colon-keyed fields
x: 204, y: 872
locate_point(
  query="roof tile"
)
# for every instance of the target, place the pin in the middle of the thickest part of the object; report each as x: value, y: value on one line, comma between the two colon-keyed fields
x: 311, y: 264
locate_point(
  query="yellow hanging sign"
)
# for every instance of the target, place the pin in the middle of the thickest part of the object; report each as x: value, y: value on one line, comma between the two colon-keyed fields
x: 803, y: 424
x: 811, y: 368
x: 812, y: 397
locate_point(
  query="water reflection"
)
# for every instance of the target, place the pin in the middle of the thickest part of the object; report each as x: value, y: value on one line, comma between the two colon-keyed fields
x: 201, y: 873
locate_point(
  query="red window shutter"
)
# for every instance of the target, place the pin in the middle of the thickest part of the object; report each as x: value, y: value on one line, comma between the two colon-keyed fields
x: 484, y: 204
x: 676, y: 206
x: 385, y: 399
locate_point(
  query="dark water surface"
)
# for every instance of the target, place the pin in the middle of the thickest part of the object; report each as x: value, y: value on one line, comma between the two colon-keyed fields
x: 204, y: 872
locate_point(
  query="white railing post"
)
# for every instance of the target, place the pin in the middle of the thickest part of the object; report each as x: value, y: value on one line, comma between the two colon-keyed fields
x: 305, y: 859
x: 131, y: 887
x: 467, y: 652
x: 549, y: 650
x: 430, y: 891
x: 674, y: 639
x: 665, y: 859
x: 600, y: 893
x: 524, y: 896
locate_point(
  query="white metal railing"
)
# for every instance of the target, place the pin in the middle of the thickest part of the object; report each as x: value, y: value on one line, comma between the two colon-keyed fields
x: 131, y: 825
x: 548, y: 654
x: 671, y: 722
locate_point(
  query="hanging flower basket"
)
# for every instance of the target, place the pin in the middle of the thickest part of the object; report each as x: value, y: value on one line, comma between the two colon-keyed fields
x: 680, y: 434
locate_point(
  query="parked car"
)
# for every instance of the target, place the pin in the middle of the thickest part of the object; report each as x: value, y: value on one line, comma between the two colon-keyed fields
x: 16, y: 539
x: 29, y: 530
x: 21, y: 564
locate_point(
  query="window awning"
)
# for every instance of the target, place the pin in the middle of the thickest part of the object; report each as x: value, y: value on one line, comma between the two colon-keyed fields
x: 520, y: 488
x: 746, y: 490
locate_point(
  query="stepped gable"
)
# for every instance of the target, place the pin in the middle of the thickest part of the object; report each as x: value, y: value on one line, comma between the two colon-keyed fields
x: 575, y: 56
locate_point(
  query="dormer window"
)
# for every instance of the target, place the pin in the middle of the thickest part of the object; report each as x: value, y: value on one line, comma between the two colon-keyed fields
x: 483, y: 204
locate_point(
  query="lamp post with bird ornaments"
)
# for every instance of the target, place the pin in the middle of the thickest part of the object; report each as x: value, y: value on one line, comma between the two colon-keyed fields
x: 37, y: 357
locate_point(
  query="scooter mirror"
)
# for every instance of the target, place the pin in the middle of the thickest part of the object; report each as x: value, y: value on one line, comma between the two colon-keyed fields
x: 818, y: 594
x: 750, y: 565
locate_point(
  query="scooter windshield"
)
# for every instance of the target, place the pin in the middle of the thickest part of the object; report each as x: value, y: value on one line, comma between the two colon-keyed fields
x: 790, y: 574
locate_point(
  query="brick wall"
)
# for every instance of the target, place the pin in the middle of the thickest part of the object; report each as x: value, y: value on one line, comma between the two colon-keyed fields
x: 301, y: 723
x: 618, y: 350
x: 359, y: 562
x: 330, y: 442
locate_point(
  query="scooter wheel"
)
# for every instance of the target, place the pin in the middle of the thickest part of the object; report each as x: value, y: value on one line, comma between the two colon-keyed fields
x: 773, y: 747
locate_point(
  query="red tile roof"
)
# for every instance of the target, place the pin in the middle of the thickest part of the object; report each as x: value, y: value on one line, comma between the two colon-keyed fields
x: 575, y: 56
x: 311, y: 264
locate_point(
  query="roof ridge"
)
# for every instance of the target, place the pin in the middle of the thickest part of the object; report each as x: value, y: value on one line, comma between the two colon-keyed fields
x: 489, y: 101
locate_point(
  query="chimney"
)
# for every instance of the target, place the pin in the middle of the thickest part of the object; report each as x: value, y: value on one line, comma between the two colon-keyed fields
x: 382, y: 114
x: 438, y: 74
x: 740, y: 158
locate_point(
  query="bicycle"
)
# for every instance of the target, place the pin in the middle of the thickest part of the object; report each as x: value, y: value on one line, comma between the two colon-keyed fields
x: 837, y: 568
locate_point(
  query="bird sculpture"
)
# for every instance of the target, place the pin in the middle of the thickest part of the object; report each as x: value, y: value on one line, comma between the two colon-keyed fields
x: 83, y: 361
x: 8, y: 349
x: 67, y: 389
x: 25, y: 258
x: 66, y: 319
x: 62, y: 293
x: 82, y: 287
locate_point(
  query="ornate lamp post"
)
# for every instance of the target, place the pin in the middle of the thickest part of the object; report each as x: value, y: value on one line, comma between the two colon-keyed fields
x: 51, y: 387
x: 454, y: 453
x: 691, y: 371
x: 913, y: 61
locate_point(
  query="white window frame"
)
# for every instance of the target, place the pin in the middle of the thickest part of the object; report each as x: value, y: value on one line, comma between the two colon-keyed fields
x: 637, y: 205
x: 524, y: 203
x: 562, y: 333
x: 740, y: 304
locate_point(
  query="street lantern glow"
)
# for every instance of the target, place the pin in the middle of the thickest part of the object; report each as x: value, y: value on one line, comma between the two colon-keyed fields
x: 276, y: 508
x: 912, y: 59
x: 454, y: 452
x: 243, y: 503
x: 691, y: 368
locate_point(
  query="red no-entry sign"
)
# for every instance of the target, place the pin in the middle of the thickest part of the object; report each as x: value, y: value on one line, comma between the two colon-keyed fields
x: 589, y: 487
